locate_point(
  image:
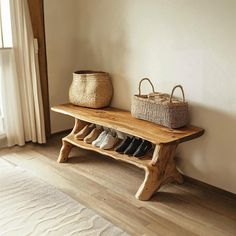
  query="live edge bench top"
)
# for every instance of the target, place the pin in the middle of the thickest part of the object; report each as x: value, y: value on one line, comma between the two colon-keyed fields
x: 122, y: 120
x: 159, y: 165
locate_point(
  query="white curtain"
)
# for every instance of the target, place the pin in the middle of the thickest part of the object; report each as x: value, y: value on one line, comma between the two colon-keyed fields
x: 20, y: 84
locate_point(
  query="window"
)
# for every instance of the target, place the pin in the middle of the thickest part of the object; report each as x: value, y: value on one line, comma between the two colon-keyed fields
x: 5, y: 25
x: 5, y: 43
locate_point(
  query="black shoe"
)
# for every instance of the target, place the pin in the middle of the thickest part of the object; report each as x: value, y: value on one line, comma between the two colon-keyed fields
x: 143, y: 149
x: 130, y: 150
x: 123, y: 145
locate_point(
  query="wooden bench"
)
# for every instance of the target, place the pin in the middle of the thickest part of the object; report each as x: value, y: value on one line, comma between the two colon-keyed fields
x: 159, y: 165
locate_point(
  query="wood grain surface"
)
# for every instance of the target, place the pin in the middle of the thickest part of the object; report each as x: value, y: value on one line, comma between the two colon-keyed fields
x: 123, y: 121
x: 37, y: 19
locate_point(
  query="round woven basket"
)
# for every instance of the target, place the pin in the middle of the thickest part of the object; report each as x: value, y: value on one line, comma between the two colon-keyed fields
x: 91, y: 89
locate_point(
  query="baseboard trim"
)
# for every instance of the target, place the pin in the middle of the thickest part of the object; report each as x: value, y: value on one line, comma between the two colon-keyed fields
x: 61, y: 132
x: 209, y: 187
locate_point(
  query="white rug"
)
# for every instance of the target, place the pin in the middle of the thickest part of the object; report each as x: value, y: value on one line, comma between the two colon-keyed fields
x: 29, y: 206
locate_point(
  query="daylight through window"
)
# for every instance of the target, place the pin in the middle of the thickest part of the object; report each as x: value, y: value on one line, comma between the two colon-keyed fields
x: 5, y: 25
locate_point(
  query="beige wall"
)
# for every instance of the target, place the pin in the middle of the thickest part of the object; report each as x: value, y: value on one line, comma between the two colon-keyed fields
x: 61, y: 43
x: 188, y: 42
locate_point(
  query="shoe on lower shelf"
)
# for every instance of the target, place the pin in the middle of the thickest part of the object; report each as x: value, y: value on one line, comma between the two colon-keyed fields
x: 123, y: 145
x: 130, y: 150
x: 100, y: 138
x: 143, y: 149
x: 93, y: 135
x: 84, y: 132
x: 109, y: 141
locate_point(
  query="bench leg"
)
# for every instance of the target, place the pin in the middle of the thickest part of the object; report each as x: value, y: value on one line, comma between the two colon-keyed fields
x: 65, y: 151
x: 149, y: 185
x: 66, y: 146
x: 162, y: 170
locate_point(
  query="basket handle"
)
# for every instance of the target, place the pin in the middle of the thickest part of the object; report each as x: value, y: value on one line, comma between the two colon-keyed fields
x: 172, y: 93
x: 140, y: 83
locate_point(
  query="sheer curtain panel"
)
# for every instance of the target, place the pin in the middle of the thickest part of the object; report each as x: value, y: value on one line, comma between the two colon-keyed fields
x: 20, y: 83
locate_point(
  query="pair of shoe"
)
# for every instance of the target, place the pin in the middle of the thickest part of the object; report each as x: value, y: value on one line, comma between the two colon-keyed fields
x: 106, y: 140
x: 89, y: 133
x: 136, y: 147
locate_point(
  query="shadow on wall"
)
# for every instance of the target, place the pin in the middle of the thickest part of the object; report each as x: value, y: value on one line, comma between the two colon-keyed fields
x: 212, y: 156
x: 96, y: 54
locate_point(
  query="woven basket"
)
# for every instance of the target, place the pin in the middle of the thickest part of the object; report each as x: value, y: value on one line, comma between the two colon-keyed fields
x: 160, y: 108
x: 91, y: 89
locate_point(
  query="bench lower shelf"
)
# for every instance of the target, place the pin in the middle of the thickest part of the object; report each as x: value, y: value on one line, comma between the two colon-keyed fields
x: 159, y: 166
x: 141, y: 163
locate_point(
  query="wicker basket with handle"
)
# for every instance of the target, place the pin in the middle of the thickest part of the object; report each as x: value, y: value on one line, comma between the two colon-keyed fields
x: 160, y: 108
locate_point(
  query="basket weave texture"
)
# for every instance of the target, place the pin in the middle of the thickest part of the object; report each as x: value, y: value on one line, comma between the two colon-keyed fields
x: 91, y: 89
x: 160, y: 108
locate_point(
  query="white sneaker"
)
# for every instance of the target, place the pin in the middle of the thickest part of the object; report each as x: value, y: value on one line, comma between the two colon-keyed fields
x: 109, y: 141
x: 100, y: 139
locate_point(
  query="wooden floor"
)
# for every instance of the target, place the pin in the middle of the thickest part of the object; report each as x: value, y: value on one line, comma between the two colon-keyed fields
x: 108, y: 187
